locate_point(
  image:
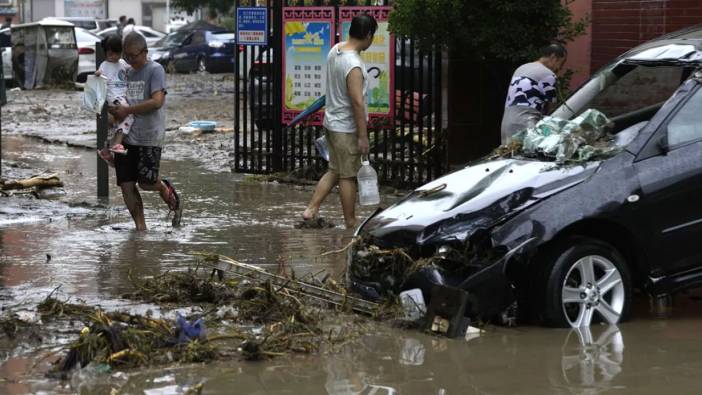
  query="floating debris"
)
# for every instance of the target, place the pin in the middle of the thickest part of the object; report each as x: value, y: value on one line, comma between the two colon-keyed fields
x: 314, y: 223
x: 47, y: 181
x: 246, y: 318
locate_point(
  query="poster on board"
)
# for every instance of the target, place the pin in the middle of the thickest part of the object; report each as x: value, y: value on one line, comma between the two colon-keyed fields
x: 379, y: 60
x: 308, y: 36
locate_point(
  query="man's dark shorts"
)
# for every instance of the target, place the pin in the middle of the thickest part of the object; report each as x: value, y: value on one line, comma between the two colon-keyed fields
x: 141, y: 164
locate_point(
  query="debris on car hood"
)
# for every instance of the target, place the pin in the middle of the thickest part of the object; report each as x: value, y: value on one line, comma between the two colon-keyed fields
x: 582, y: 139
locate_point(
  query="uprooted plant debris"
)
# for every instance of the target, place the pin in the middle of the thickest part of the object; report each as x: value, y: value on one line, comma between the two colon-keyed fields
x: 314, y: 223
x: 392, y: 267
x: 582, y: 139
x: 240, y: 318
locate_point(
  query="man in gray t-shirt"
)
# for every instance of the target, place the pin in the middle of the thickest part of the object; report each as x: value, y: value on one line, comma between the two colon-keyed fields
x: 532, y: 91
x: 146, y: 94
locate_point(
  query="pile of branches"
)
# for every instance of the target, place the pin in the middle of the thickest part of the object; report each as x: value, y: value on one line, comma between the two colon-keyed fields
x: 245, y: 319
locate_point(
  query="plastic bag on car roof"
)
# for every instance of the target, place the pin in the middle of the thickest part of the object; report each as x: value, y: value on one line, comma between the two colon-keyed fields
x: 94, y: 93
x: 563, y: 140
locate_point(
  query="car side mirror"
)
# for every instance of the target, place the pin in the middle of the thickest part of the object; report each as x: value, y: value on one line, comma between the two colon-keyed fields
x: 663, y: 143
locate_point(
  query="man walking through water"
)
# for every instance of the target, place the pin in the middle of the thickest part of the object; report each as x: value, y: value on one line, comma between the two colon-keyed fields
x: 532, y: 91
x: 146, y: 95
x: 345, y: 118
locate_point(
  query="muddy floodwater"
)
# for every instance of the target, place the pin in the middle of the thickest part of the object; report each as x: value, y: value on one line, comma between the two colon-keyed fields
x: 88, y: 247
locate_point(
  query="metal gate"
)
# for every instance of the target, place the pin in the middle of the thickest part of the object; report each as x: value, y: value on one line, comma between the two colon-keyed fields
x: 410, y: 151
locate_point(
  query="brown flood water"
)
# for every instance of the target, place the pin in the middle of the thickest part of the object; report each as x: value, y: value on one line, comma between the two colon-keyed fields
x: 92, y: 251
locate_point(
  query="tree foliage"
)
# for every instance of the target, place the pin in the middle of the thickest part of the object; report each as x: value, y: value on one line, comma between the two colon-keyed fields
x: 222, y: 7
x: 510, y: 30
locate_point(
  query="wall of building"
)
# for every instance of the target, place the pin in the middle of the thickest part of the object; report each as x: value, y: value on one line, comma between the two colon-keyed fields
x: 43, y: 9
x: 130, y: 8
x: 619, y: 25
x: 579, y: 50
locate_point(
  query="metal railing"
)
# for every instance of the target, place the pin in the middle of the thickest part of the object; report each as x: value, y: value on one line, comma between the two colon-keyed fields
x: 409, y: 151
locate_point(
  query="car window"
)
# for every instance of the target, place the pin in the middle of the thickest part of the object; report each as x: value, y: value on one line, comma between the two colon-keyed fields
x: 188, y: 40
x: 639, y: 88
x: 198, y: 38
x: 686, y: 125
x: 622, y: 89
x: 59, y: 37
x: 147, y: 34
x: 172, y: 39
x: 85, y: 24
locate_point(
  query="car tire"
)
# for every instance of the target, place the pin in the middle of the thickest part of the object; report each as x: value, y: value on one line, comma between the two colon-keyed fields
x: 583, y: 281
x: 170, y: 69
x: 202, y: 65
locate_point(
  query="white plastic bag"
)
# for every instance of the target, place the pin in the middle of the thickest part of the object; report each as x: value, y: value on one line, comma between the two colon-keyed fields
x: 94, y: 93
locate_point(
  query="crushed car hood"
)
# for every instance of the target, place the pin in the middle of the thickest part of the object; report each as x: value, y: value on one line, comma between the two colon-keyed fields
x: 478, y: 196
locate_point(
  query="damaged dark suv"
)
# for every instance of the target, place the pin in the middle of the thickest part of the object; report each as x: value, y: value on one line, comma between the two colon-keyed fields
x: 563, y: 243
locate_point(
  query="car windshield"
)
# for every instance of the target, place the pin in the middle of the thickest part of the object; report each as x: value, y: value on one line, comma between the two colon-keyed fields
x: 626, y: 93
x: 84, y: 24
x: 172, y: 39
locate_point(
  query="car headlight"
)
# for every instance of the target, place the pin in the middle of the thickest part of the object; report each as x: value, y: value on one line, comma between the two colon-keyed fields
x: 216, y: 44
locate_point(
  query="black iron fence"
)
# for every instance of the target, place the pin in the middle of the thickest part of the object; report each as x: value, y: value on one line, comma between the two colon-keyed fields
x: 408, y: 150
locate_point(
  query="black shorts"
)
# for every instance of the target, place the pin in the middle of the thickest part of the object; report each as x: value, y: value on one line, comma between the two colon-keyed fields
x: 141, y: 164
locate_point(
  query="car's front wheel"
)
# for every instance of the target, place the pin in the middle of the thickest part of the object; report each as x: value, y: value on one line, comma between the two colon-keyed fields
x: 587, y: 281
x: 201, y: 65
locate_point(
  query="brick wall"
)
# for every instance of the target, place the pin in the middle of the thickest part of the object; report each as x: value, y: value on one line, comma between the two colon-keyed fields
x: 619, y: 25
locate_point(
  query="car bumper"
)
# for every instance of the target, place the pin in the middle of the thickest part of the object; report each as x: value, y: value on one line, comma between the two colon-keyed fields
x: 220, y: 62
x: 490, y: 291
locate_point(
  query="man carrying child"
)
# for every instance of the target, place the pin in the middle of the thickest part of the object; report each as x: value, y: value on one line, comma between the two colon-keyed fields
x: 146, y: 94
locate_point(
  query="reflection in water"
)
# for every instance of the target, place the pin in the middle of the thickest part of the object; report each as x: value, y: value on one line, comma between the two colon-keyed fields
x: 592, y: 363
x: 582, y: 361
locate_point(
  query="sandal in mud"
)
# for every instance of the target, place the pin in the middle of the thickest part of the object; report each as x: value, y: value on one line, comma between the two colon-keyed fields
x: 174, y: 203
x: 118, y: 149
x: 105, y: 155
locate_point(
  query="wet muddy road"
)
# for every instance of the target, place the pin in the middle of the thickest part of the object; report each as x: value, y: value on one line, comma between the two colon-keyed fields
x: 89, y: 248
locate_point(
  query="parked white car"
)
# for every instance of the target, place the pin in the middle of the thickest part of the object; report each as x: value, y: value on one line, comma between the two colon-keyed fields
x: 6, y: 48
x: 149, y: 34
x: 90, y: 24
x: 86, y: 54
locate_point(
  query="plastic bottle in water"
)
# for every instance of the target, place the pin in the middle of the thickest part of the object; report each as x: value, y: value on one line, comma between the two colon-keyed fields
x: 368, y: 193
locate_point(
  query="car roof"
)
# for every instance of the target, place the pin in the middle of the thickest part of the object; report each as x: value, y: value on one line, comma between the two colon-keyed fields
x: 72, y: 18
x: 138, y: 27
x: 45, y: 22
x: 680, y: 46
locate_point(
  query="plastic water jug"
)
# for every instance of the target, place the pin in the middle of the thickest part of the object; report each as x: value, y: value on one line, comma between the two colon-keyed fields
x: 368, y: 193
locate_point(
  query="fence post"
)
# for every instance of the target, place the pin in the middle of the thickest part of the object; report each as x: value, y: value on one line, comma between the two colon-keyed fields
x: 277, y: 70
x: 3, y: 101
x: 103, y: 176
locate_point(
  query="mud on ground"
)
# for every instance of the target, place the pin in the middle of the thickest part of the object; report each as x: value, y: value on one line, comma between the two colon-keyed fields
x: 57, y: 116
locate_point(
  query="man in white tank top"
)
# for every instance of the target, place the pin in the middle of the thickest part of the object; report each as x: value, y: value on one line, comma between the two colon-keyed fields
x: 345, y: 118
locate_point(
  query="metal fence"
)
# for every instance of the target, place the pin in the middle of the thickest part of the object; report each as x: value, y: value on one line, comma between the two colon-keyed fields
x: 409, y: 151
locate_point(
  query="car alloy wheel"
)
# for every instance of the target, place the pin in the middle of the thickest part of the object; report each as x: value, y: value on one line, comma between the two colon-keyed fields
x: 201, y: 65
x: 592, y: 285
x: 581, y: 281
